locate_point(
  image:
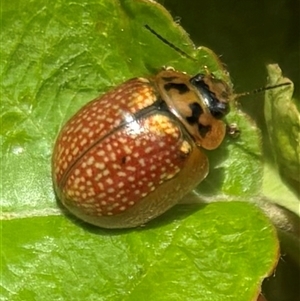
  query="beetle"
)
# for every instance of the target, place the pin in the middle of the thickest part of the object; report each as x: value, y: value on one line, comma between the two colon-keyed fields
x: 133, y: 153
x: 130, y: 155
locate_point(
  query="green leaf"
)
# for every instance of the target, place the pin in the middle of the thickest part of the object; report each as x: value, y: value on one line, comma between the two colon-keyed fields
x: 236, y: 167
x: 57, y: 56
x: 194, y: 257
x: 283, y: 121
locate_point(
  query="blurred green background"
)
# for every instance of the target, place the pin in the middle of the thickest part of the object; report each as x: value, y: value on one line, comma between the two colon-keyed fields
x: 246, y: 35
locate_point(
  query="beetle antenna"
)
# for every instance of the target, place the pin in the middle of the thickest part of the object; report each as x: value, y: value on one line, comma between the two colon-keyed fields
x: 180, y: 51
x: 262, y: 89
x: 169, y: 43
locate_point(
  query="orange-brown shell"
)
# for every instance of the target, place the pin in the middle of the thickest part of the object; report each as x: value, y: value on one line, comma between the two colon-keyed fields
x: 124, y: 158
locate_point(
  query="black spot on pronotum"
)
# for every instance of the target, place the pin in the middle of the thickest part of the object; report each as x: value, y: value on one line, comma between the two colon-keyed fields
x: 196, y: 112
x: 181, y: 88
x: 204, y: 129
x: 216, y: 107
x: 123, y: 160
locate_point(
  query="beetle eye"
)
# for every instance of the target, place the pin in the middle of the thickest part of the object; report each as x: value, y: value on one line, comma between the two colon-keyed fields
x: 214, y: 93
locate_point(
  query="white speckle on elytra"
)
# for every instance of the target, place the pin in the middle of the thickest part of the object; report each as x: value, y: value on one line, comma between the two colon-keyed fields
x: 170, y: 176
x: 78, y: 128
x: 98, y: 177
x: 101, y: 195
x: 116, y: 166
x: 101, y: 153
x: 105, y: 172
x: 110, y: 190
x: 89, y: 172
x: 162, y: 176
x: 167, y: 154
x: 115, y: 107
x: 162, y: 144
x: 136, y: 155
x: 100, y: 185
x: 109, y: 120
x: 131, y: 179
x: 122, y: 140
x: 100, y: 117
x: 91, y: 133
x: 153, y: 139
x: 148, y: 149
x: 130, y: 168
x: 115, y: 205
x: 87, y: 206
x: 121, y: 192
x: 90, y: 194
x: 113, y: 156
x: 100, y: 165
x: 124, y: 200
x: 121, y: 184
x: 127, y: 150
x: 109, y: 181
x: 121, y: 174
x: 142, y: 162
x: 90, y: 160
x: 83, y: 142
x: 71, y: 193
x: 163, y: 169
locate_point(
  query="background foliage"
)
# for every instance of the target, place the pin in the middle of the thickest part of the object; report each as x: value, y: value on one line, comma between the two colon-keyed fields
x: 56, y: 56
